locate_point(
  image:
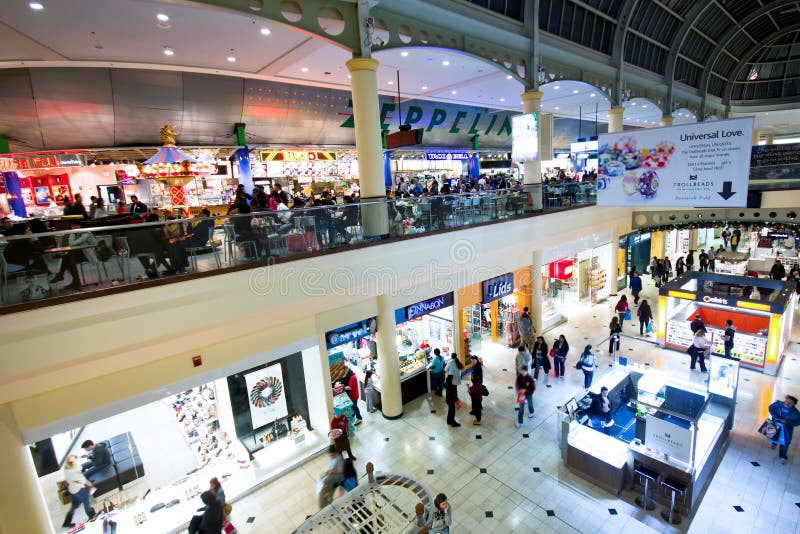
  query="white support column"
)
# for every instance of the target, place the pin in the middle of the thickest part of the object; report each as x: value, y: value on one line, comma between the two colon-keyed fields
x: 615, y: 123
x: 364, y: 87
x: 532, y: 184
x: 536, y: 290
x: 388, y: 362
x: 22, y: 506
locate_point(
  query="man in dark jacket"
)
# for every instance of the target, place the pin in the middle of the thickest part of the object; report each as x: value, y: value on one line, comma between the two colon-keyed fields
x: 787, y: 414
x: 524, y: 384
x: 99, y: 457
x: 636, y: 286
x: 697, y: 324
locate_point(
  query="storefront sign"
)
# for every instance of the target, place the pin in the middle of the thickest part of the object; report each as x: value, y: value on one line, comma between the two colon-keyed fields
x: 295, y: 155
x: 447, y: 156
x: 351, y: 332
x: 703, y: 164
x: 708, y: 299
x: 639, y: 238
x: 40, y: 161
x: 426, y: 306
x: 562, y: 269
x: 668, y: 438
x: 774, y: 155
x: 498, y: 287
x: 778, y: 235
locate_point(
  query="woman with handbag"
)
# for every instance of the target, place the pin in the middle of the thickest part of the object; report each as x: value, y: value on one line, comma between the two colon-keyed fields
x: 623, y: 310
x: 645, y: 315
x: 559, y: 352
x: 787, y: 414
x: 78, y: 486
x: 216, y: 487
x: 477, y: 391
x: 451, y: 398
x: 615, y: 330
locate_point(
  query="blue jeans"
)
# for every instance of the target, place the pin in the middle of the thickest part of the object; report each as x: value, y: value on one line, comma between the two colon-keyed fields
x: 521, y: 411
x: 728, y: 351
x: 587, y: 378
x: 536, y: 369
x: 782, y: 450
x: 559, y: 365
x: 82, y: 497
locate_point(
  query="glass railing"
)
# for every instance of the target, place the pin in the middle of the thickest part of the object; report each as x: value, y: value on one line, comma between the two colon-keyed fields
x: 37, y: 263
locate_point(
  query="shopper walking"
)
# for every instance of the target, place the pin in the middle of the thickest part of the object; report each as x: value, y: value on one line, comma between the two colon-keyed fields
x: 645, y: 315
x: 560, y: 351
x: 787, y: 414
x: 778, y: 271
x: 653, y: 267
x: 736, y: 237
x: 680, y: 266
x: 451, y: 398
x: 726, y: 235
x: 697, y: 350
x: 216, y: 486
x: 453, y: 368
x: 437, y: 372
x: 712, y: 259
x: 331, y: 478
x: 588, y: 363
x: 78, y: 487
x: 341, y: 439
x: 369, y: 391
x: 523, y: 359
x: 659, y: 273
x: 623, y: 310
x: 526, y: 329
x: 690, y: 261
x: 614, y: 331
x: 539, y: 357
x: 703, y: 259
x: 635, y: 286
x: 525, y: 386
x: 442, y: 515
x: 730, y: 332
x: 667, y: 270
x: 351, y: 387
x: 476, y: 393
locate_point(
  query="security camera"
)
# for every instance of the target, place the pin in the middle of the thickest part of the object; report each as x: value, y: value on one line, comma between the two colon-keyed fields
x: 370, y: 21
x: 377, y: 41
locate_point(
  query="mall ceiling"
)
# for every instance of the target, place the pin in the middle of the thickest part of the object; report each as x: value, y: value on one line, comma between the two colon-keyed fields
x: 122, y: 44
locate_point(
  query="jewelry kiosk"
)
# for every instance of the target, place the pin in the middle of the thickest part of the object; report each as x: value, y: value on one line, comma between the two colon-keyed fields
x: 672, y: 428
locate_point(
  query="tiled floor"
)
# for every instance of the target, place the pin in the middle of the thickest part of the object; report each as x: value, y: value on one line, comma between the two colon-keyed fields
x: 513, y: 480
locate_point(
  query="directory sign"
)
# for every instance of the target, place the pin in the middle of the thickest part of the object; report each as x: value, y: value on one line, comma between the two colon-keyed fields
x: 706, y: 164
x: 525, y: 137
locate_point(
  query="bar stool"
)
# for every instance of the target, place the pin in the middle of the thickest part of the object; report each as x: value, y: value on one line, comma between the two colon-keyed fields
x: 649, y: 476
x: 675, y: 487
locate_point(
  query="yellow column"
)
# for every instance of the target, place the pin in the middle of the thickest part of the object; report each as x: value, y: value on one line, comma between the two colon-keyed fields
x: 22, y: 507
x: 364, y: 87
x: 614, y: 273
x: 536, y: 290
x: 615, y: 120
x: 769, y: 139
x: 532, y: 184
x: 666, y: 120
x: 388, y: 362
x: 756, y: 137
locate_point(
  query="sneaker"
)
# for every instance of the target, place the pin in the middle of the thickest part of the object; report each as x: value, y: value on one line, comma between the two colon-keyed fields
x: 476, y: 423
x: 359, y: 421
x: 530, y: 415
x: 784, y: 460
x: 455, y: 425
x: 518, y: 424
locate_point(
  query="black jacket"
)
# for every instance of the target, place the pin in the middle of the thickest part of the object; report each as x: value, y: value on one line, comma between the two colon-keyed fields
x: 101, y: 456
x: 211, y: 523
x: 696, y: 325
x: 450, y: 393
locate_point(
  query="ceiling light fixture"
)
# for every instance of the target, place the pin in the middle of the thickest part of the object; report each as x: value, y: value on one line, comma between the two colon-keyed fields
x: 404, y: 54
x: 452, y: 92
x: 592, y: 95
x: 36, y: 6
x: 644, y: 107
x: 556, y: 88
x: 162, y: 17
x: 575, y: 91
x: 390, y: 82
x: 424, y: 87
x: 445, y: 63
x: 231, y: 59
x: 502, y: 100
x: 168, y: 51
x: 265, y: 31
x: 508, y: 77
x: 304, y: 69
x: 557, y: 108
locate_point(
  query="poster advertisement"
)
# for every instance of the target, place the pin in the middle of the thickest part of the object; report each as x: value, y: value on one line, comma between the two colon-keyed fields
x: 671, y: 439
x: 266, y: 394
x: 525, y: 137
x: 706, y: 164
x: 723, y: 376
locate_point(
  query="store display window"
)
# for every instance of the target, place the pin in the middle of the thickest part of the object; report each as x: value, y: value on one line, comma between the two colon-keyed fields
x: 242, y: 429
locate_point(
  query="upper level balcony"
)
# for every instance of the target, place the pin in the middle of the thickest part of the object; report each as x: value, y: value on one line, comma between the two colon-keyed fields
x: 45, y: 263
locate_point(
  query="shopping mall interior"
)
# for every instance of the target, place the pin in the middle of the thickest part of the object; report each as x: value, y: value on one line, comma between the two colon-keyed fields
x: 237, y: 232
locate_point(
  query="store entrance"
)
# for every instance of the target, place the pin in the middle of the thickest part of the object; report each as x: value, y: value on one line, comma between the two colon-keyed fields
x: 479, y: 326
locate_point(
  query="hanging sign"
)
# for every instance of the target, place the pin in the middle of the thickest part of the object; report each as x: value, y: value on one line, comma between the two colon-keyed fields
x: 296, y: 155
x: 702, y: 164
x: 447, y: 156
x: 562, y: 269
x: 40, y: 161
x: 351, y: 332
x: 498, y: 287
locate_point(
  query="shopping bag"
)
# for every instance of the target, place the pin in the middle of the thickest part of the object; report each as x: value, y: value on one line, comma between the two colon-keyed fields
x: 520, y: 396
x: 628, y: 315
x: 773, y: 431
x: 649, y: 327
x: 458, y: 404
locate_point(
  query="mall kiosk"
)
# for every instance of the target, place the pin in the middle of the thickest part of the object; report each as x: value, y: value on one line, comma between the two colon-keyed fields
x: 665, y: 436
x: 761, y: 310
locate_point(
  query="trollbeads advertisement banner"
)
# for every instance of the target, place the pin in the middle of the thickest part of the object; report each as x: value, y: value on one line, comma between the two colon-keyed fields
x: 706, y: 164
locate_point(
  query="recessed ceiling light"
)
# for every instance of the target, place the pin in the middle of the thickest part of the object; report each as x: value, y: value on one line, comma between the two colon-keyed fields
x: 390, y: 82
x: 508, y: 77
x: 575, y: 91
x: 445, y: 63
x: 36, y: 6
x: 168, y: 51
x: 502, y: 100
x: 424, y: 87
x: 231, y: 59
x: 557, y: 87
x: 592, y: 95
x: 633, y: 103
x: 644, y: 107
x: 304, y: 69
x: 265, y: 31
x: 404, y: 54
x: 348, y: 76
x: 162, y: 17
x: 557, y: 108
x: 452, y: 92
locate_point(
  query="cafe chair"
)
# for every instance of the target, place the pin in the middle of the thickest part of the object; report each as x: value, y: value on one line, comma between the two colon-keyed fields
x: 97, y: 263
x: 233, y: 245
x: 209, y: 246
x: 647, y: 475
x: 6, y: 270
x: 675, y: 488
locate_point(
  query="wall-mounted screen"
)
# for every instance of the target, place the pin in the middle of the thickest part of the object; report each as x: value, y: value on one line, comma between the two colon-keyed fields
x: 525, y: 137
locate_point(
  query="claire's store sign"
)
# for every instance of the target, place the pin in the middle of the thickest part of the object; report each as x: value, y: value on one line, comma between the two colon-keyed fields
x: 351, y: 332
x: 447, y: 156
x: 425, y: 307
x: 498, y: 287
x: 708, y: 299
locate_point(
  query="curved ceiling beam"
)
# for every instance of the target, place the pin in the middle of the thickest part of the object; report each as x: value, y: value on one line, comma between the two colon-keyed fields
x: 731, y: 32
x: 697, y: 9
x: 618, y: 47
x: 731, y: 80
